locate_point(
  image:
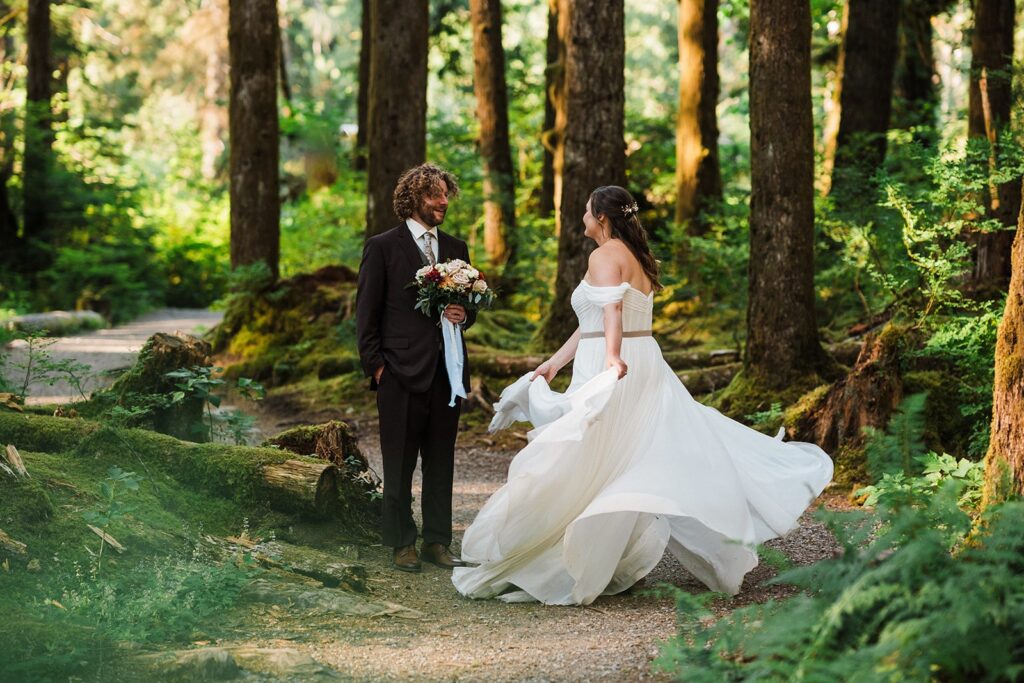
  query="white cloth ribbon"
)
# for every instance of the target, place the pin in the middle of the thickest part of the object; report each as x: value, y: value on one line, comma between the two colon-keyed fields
x: 453, y: 360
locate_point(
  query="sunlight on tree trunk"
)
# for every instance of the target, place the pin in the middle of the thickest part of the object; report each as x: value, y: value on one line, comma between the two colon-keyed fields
x: 989, y: 106
x: 8, y: 221
x: 1004, y: 462
x: 549, y: 186
x: 397, y: 113
x: 254, y: 137
x: 492, y: 114
x: 782, y: 337
x: 593, y: 149
x: 698, y: 178
x: 856, y: 130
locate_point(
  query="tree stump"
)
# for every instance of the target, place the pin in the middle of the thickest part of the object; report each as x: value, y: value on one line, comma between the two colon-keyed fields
x: 147, y: 386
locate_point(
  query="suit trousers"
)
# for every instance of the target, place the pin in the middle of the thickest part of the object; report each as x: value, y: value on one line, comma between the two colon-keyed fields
x: 417, y: 425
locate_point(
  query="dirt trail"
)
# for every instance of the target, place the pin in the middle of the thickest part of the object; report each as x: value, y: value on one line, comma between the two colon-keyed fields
x: 615, y: 639
x: 104, y: 351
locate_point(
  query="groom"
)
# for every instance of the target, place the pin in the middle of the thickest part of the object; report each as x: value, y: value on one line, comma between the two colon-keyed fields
x: 401, y: 351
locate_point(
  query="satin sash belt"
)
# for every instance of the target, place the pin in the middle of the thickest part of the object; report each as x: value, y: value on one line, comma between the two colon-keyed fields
x: 625, y: 335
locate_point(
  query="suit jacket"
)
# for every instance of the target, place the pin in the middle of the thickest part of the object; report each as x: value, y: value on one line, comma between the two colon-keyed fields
x: 390, y: 331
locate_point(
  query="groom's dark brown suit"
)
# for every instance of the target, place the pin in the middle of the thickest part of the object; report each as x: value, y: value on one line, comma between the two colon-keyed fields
x: 413, y: 392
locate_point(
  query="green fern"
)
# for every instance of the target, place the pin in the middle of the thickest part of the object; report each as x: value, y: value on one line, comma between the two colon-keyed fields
x: 902, y: 441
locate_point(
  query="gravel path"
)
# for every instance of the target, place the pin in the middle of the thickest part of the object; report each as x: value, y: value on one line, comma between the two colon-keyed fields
x: 615, y: 639
x: 104, y: 351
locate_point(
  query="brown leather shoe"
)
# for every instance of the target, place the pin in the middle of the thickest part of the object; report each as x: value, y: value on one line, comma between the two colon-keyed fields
x: 406, y: 559
x: 437, y: 554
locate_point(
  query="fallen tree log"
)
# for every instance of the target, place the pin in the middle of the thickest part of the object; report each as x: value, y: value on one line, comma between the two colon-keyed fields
x: 706, y: 380
x: 316, y: 564
x: 302, y: 486
x: 10, y: 545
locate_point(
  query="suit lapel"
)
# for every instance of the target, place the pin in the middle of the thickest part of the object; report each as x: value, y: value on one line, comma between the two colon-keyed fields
x: 408, y: 244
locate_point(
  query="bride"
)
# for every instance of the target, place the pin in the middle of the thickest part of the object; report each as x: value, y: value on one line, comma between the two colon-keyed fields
x: 626, y: 463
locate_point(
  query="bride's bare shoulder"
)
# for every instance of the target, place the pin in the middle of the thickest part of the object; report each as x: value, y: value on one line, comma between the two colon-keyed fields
x: 604, y: 267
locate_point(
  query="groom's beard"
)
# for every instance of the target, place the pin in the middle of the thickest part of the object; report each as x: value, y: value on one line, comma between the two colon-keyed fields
x: 430, y: 218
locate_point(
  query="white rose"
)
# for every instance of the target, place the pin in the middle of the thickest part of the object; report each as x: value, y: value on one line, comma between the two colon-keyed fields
x: 461, y: 277
x: 480, y: 286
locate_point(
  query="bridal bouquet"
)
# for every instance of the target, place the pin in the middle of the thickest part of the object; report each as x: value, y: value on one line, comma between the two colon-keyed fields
x: 444, y: 284
x: 451, y: 282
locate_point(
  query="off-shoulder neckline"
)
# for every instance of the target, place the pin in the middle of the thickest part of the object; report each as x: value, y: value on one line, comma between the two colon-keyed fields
x: 647, y: 295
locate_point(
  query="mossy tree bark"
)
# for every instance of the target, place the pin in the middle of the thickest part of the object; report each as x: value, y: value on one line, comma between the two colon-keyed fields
x: 492, y: 114
x: 989, y: 105
x: 397, y: 110
x: 698, y: 176
x: 592, y: 152
x: 253, y: 43
x: 37, y: 160
x: 855, y: 134
x: 782, y: 336
x: 1004, y: 462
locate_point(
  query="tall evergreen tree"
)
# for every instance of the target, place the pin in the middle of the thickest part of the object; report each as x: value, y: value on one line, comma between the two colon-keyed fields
x: 363, y: 96
x: 253, y: 43
x: 989, y: 105
x: 782, y: 337
x: 855, y: 139
x: 698, y: 177
x: 397, y: 110
x: 553, y: 99
x: 37, y: 161
x: 9, y: 240
x: 592, y: 152
x: 492, y: 115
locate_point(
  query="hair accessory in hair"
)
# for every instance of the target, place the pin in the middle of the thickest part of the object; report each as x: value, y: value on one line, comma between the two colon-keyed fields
x: 630, y: 209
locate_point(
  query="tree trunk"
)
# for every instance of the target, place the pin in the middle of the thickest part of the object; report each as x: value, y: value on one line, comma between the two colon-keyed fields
x: 855, y: 137
x: 916, y: 97
x: 397, y: 111
x: 990, y: 102
x: 492, y: 113
x: 9, y: 240
x: 782, y: 337
x: 255, y: 202
x: 698, y: 178
x: 363, y: 97
x: 1004, y: 462
x: 593, y: 148
x: 36, y: 164
x: 552, y: 97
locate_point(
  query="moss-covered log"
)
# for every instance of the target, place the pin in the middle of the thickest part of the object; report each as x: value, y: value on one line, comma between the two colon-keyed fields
x: 334, y: 442
x: 303, y: 487
x: 236, y: 472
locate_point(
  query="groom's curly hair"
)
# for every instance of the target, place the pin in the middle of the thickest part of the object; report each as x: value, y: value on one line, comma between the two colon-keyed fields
x: 418, y: 182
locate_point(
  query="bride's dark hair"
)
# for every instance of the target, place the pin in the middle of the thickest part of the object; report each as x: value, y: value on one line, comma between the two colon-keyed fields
x: 618, y: 205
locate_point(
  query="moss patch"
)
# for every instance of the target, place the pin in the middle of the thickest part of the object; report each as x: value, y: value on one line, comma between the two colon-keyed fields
x: 746, y: 394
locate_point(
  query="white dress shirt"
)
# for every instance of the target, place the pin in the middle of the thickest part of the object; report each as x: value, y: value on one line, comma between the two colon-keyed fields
x: 418, y: 231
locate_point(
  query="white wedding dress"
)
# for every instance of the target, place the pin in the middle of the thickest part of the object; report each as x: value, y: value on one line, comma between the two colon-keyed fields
x: 616, y: 471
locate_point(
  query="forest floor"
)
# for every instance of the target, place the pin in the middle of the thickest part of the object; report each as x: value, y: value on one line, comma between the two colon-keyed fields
x: 444, y: 636
x: 614, y: 639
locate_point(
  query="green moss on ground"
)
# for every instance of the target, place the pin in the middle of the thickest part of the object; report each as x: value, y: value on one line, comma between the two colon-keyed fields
x: 66, y: 615
x: 747, y: 395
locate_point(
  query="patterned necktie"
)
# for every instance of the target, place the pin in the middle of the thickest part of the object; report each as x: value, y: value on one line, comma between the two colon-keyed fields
x: 428, y: 251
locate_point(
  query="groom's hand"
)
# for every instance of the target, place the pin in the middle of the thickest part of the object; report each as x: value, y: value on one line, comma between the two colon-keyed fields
x: 455, y: 313
x: 377, y: 374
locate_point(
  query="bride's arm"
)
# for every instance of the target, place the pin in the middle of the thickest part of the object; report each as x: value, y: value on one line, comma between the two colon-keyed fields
x: 549, y: 368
